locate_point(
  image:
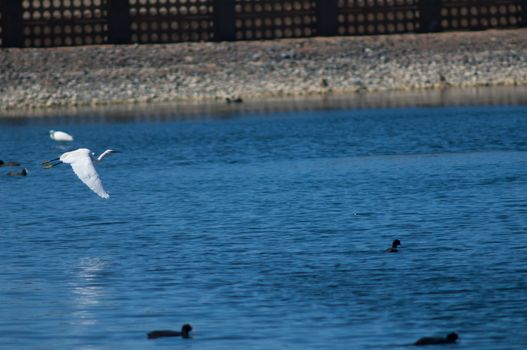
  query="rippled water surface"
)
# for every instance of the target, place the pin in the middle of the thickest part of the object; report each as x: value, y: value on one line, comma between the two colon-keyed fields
x: 267, y: 231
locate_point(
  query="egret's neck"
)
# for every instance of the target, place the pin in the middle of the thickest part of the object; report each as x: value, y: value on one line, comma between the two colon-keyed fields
x: 103, y: 154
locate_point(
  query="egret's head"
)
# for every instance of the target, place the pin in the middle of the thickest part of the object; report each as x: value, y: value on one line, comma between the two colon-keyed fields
x: 111, y: 151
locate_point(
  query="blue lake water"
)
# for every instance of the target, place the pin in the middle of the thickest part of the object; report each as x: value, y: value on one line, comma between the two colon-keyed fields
x: 267, y: 231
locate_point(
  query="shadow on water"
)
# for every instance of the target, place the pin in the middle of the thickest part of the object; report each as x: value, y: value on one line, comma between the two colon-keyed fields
x: 504, y: 95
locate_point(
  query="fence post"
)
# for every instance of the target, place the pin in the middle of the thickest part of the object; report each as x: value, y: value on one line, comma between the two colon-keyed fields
x: 327, y: 17
x: 224, y: 18
x: 119, y: 22
x: 12, y: 25
x: 430, y: 20
x: 524, y: 13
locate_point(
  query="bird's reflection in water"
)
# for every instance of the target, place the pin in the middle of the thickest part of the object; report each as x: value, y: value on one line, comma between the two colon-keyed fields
x: 87, y: 290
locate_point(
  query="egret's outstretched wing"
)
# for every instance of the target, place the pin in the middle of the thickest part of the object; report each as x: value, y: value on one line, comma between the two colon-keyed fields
x: 85, y: 170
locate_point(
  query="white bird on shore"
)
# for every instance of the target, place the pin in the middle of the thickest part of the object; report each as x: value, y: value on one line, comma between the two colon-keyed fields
x: 60, y: 136
x: 81, y: 161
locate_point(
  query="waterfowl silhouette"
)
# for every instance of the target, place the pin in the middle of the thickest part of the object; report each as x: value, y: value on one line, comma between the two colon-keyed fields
x: 393, y: 248
x: 24, y: 172
x: 2, y: 163
x: 185, y: 333
x: 230, y: 100
x: 60, y: 136
x: 449, y: 339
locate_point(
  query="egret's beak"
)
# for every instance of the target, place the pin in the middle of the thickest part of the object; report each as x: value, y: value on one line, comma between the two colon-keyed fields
x: 113, y: 151
x: 47, y: 164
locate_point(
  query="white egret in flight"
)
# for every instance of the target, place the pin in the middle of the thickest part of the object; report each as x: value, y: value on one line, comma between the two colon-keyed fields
x: 60, y: 136
x: 81, y: 161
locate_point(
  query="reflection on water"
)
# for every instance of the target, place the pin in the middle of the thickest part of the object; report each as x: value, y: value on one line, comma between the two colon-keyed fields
x: 87, y: 290
x: 504, y: 95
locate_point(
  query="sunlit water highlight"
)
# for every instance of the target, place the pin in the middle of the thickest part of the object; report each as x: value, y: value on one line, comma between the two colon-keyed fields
x: 267, y: 231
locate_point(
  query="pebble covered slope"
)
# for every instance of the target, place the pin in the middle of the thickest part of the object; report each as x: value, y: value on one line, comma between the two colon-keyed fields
x: 190, y: 72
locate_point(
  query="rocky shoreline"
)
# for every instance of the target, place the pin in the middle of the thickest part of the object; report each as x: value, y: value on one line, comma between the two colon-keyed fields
x: 33, y: 79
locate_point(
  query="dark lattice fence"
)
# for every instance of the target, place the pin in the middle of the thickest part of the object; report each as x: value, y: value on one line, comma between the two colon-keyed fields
x: 64, y: 23
x: 44, y: 23
x: 463, y: 15
x: 268, y: 19
x: 162, y: 21
x: 358, y: 17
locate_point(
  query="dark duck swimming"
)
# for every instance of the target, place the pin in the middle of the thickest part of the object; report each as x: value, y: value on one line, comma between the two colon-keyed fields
x: 2, y: 163
x: 184, y: 333
x: 449, y: 339
x: 24, y: 172
x: 393, y: 248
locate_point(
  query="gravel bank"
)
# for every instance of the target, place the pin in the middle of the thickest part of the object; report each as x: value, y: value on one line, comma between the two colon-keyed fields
x: 190, y: 72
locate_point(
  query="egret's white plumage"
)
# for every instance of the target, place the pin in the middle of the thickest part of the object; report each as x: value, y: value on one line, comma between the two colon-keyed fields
x: 81, y: 162
x: 60, y: 136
